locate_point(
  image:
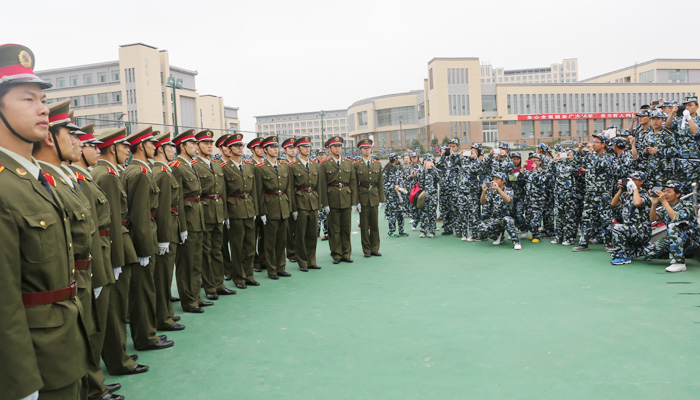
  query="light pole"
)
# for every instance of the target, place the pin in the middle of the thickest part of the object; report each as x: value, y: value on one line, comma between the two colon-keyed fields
x: 322, y: 115
x: 174, y: 84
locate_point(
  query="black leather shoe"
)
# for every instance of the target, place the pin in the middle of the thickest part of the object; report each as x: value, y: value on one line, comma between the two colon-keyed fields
x: 138, y: 369
x: 110, y: 396
x: 314, y: 267
x: 206, y: 304
x: 227, y: 277
x: 161, y: 344
x: 293, y: 259
x: 163, y: 337
x: 113, y: 387
x: 347, y: 260
x: 226, y: 292
x: 241, y: 285
x: 303, y: 269
x: 368, y: 255
x: 134, y: 357
x: 196, y: 310
x: 174, y: 299
x: 175, y: 327
x: 253, y: 283
x: 176, y: 318
x: 336, y: 261
x: 274, y: 277
x: 213, y: 296
x: 446, y: 233
x: 285, y: 274
x: 377, y: 254
x: 257, y: 269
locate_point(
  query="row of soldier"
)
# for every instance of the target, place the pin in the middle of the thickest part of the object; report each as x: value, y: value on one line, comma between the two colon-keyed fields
x: 95, y: 228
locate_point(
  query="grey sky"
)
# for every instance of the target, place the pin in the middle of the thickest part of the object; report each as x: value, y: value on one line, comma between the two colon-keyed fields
x: 270, y: 57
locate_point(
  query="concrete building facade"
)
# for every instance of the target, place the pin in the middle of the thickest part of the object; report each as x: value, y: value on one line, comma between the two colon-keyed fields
x: 318, y: 125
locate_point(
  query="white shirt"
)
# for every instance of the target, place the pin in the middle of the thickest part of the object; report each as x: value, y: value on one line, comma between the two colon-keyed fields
x: 32, y: 167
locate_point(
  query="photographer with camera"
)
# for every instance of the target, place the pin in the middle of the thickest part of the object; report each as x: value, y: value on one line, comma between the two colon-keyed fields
x: 658, y: 150
x: 682, y: 227
x: 535, y: 189
x: 498, y: 160
x: 685, y: 128
x: 516, y: 181
x: 567, y: 199
x: 634, y: 230
x: 427, y: 178
x: 449, y: 166
x: 411, y: 170
x: 468, y: 199
x: 500, y: 202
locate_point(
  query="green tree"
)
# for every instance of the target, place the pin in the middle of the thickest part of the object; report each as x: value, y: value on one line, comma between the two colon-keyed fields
x: 445, y: 141
x: 417, y: 145
x: 434, y: 142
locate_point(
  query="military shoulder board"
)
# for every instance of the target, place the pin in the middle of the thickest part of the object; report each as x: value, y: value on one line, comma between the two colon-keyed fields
x: 164, y: 169
x: 110, y: 170
x: 345, y: 158
x: 144, y: 170
x: 355, y: 162
x: 193, y: 161
x: 314, y: 161
x: 260, y: 164
x: 176, y: 163
x: 248, y: 161
x: 376, y: 161
x: 283, y: 162
x: 223, y: 163
x: 50, y: 179
x: 292, y: 162
x: 80, y: 176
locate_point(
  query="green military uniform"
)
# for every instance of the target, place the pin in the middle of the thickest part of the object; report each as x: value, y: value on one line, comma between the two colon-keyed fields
x: 188, y: 272
x: 259, y: 262
x: 107, y: 177
x: 337, y: 189
x: 213, y: 200
x: 242, y: 209
x: 305, y: 202
x: 225, y: 252
x: 291, y: 223
x: 168, y: 231
x: 370, y: 192
x: 273, y: 191
x: 142, y: 201
x: 44, y: 342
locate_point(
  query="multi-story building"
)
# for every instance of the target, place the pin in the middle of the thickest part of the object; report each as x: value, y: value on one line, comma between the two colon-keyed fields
x: 566, y: 72
x: 318, y: 125
x: 134, y: 90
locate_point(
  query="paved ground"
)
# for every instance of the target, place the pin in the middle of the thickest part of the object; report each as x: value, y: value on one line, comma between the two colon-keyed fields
x: 442, y: 319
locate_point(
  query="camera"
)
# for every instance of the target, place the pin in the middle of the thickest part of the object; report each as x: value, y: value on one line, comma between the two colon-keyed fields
x: 625, y: 182
x: 584, y: 144
x: 681, y: 108
x: 447, y: 151
x: 653, y: 191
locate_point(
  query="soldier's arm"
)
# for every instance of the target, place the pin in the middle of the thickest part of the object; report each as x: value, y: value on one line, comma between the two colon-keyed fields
x: 182, y: 217
x: 322, y: 185
x: 138, y: 200
x: 353, y: 187
x: 254, y: 193
x: 259, y: 190
x: 616, y: 200
x: 291, y: 195
x: 380, y: 187
x: 111, y: 185
x: 163, y: 219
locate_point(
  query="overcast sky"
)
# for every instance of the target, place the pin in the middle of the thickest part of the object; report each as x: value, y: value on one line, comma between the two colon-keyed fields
x: 273, y: 57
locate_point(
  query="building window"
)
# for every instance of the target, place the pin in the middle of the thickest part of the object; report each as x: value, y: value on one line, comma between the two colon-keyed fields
x: 582, y: 127
x: 528, y: 129
x: 116, y: 97
x: 103, y: 98
x: 564, y: 128
x: 598, y: 125
x: 488, y: 103
x: 101, y: 77
x: 76, y: 102
x: 89, y: 99
x: 545, y: 128
x: 678, y: 76
x: 87, y: 79
x: 490, y: 131
x: 362, y: 118
x: 74, y: 80
x: 115, y: 76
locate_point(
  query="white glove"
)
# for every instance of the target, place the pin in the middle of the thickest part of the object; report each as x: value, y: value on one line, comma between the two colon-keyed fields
x: 631, y: 186
x: 295, y: 215
x: 263, y: 218
x: 686, y: 115
x: 380, y: 206
x: 227, y: 223
x: 33, y: 396
x: 97, y: 291
x: 183, y: 236
x: 117, y: 271
x: 359, y: 207
x: 403, y: 190
x: 255, y: 217
x: 326, y: 209
x: 144, y: 261
x: 163, y: 248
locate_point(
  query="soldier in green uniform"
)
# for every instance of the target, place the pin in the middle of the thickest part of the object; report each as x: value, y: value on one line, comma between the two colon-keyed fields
x: 142, y: 201
x: 242, y: 211
x: 305, y: 204
x: 44, y: 343
x: 290, y: 152
x: 188, y: 272
x: 337, y: 187
x: 213, y: 196
x: 226, y: 254
x: 258, y: 157
x: 370, y: 194
x: 168, y: 231
x: 273, y: 192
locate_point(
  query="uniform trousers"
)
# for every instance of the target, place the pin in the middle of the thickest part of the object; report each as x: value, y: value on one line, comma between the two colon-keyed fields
x: 188, y: 271
x: 305, y: 236
x: 242, y: 240
x: 339, y: 222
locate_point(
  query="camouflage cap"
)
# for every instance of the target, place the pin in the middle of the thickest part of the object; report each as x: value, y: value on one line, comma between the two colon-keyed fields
x: 500, y: 175
x: 690, y: 99
x: 515, y: 154
x: 619, y: 142
x: 675, y: 185
x: 454, y: 141
x: 504, y: 145
x: 638, y: 175
x: 658, y: 114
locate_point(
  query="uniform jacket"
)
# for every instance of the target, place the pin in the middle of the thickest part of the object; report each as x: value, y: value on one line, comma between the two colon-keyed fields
x: 211, y: 178
x: 331, y: 174
x: 303, y: 179
x: 169, y: 204
x: 269, y: 181
x: 240, y: 183
x: 107, y: 179
x: 192, y: 219
x: 370, y: 182
x: 142, y: 200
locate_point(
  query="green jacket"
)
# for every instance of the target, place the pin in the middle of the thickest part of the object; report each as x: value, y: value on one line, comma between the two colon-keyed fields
x: 169, y: 204
x: 142, y: 200
x: 239, y: 184
x: 211, y: 178
x: 331, y: 177
x: 43, y: 346
x: 107, y: 179
x: 370, y: 182
x: 192, y: 219
x: 306, y: 188
x: 273, y: 189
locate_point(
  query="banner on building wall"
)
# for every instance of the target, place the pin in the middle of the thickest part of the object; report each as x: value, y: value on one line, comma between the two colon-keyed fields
x: 539, y: 117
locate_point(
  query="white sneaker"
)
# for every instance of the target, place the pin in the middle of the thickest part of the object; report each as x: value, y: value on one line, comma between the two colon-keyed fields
x: 422, y: 235
x: 413, y: 228
x: 464, y: 239
x: 555, y: 241
x: 412, y: 220
x: 517, y: 246
x: 430, y: 235
x: 499, y: 240
x: 524, y: 235
x: 566, y: 243
x: 676, y: 268
x: 470, y: 239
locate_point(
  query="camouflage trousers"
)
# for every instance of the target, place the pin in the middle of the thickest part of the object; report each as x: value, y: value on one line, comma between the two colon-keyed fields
x: 687, y: 173
x: 469, y: 213
x: 534, y: 215
x: 548, y: 214
x: 448, y: 209
x: 394, y: 213
x: 428, y: 215
x: 415, y: 214
x: 596, y: 219
x: 567, y: 220
x: 629, y: 240
x: 675, y: 246
x: 322, y: 223
x: 520, y: 214
x: 495, y: 227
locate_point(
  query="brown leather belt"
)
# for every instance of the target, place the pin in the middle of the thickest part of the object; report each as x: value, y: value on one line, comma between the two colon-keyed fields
x: 105, y: 232
x: 175, y: 210
x: 211, y: 196
x: 195, y: 199
x: 369, y: 186
x: 82, y: 264
x: 50, y: 297
x: 306, y: 189
x: 240, y: 195
x: 276, y: 193
x: 339, y: 185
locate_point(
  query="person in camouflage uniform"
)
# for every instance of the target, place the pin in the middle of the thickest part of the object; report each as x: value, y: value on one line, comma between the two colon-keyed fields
x: 321, y: 155
x: 395, y: 193
x: 411, y: 181
x: 633, y: 231
x: 535, y: 189
x: 683, y: 233
x: 658, y: 150
x: 449, y: 166
x: 428, y: 178
x: 685, y: 129
x: 596, y: 219
x: 565, y: 194
x: 548, y: 216
x: 516, y: 181
x: 469, y: 193
x: 499, y: 160
x: 500, y: 201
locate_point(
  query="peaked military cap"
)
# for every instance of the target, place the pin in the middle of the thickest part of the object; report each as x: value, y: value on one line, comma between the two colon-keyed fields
x: 303, y: 141
x: 186, y: 136
x: 59, y: 115
x: 17, y: 66
x: 321, y: 151
x: 254, y: 142
x: 222, y: 139
x: 269, y: 141
x: 205, y: 136
x: 88, y: 134
x: 365, y: 143
x: 163, y: 139
x: 288, y: 142
x: 112, y: 136
x: 504, y: 145
x: 334, y: 140
x: 142, y: 136
x: 236, y: 138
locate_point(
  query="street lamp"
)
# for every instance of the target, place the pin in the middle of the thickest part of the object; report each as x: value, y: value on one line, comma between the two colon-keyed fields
x: 174, y: 84
x: 322, y: 115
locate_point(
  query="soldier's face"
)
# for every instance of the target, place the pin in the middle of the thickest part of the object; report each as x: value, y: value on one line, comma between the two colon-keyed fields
x: 643, y: 120
x: 453, y: 147
x: 366, y: 151
x: 291, y: 151
x: 692, y: 107
x: 406, y: 160
x: 637, y: 182
x: 272, y: 151
x: 191, y: 149
x: 516, y: 161
x: 225, y: 151
x: 671, y: 195
x: 321, y: 156
x: 206, y: 148
x: 336, y: 149
x: 258, y: 151
x: 150, y: 148
x: 657, y: 122
x: 122, y: 153
x: 169, y: 151
x: 236, y: 150
x: 77, y: 148
x: 305, y: 150
x: 24, y: 106
x: 91, y: 154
